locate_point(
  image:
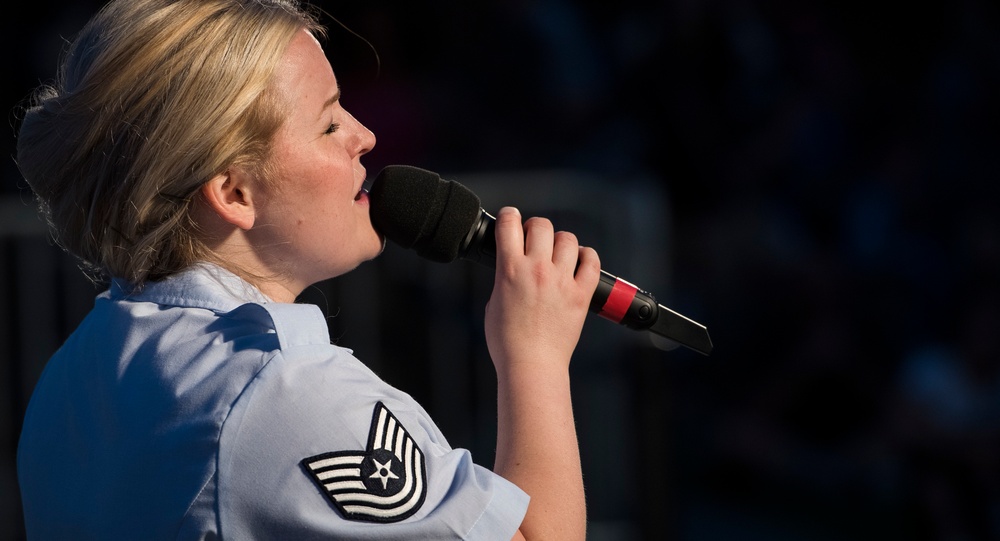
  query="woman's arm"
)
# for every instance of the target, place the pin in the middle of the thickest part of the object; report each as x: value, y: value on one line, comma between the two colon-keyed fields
x: 544, y: 283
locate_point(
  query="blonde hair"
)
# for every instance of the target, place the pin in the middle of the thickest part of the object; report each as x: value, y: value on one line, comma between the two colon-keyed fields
x: 154, y: 98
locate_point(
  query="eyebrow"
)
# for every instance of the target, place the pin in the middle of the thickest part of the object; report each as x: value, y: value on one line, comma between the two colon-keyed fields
x: 332, y: 99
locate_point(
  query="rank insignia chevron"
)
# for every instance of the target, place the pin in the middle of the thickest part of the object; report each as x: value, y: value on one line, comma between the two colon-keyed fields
x: 387, y: 482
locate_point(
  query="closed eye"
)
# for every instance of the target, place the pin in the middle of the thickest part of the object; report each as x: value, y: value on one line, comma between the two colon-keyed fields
x: 333, y: 127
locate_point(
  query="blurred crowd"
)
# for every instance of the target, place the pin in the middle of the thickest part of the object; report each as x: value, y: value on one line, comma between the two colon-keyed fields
x: 836, y: 222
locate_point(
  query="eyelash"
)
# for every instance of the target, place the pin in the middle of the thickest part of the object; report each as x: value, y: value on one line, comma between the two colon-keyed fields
x: 333, y: 127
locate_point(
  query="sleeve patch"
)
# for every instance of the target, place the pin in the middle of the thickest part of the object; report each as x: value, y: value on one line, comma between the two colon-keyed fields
x: 387, y: 482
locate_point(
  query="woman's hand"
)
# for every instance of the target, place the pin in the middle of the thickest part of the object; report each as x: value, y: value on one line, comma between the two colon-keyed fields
x: 541, y: 294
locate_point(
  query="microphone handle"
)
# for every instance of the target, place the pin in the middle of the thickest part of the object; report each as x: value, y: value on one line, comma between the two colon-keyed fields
x: 615, y: 299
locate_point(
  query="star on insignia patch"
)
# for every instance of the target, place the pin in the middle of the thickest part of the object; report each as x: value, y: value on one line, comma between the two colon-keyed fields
x: 387, y: 482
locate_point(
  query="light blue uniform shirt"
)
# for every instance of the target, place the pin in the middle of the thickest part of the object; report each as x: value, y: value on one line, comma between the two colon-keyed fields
x: 197, y: 409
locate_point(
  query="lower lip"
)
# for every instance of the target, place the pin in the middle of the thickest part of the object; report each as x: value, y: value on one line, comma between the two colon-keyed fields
x: 362, y: 199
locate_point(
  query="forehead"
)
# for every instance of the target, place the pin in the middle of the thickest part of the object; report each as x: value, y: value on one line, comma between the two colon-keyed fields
x: 304, y: 74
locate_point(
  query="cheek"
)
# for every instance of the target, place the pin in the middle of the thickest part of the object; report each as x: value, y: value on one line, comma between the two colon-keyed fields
x: 313, y: 180
x: 322, y: 174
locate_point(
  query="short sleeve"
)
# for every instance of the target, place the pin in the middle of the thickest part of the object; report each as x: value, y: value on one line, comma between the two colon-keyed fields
x: 317, y: 446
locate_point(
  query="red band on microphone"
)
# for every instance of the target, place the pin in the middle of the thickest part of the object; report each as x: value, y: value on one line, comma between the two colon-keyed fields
x: 618, y: 301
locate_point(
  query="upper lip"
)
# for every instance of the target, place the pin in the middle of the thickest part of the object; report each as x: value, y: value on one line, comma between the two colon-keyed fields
x: 364, y: 181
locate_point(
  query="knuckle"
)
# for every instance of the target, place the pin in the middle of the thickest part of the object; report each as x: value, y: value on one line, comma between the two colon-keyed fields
x: 538, y: 221
x: 567, y: 237
x: 589, y: 260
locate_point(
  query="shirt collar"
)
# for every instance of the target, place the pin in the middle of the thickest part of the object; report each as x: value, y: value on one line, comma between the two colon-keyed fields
x: 202, y: 285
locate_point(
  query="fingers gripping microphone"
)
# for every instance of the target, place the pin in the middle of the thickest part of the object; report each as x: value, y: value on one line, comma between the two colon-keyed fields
x: 443, y: 220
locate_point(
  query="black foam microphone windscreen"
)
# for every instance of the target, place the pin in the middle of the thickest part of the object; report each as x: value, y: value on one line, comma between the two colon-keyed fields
x: 421, y: 211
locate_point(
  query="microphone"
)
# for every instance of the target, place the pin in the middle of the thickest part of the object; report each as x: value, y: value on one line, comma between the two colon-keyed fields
x: 443, y: 220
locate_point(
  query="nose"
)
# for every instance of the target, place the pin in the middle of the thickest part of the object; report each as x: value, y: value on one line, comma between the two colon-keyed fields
x: 365, y: 137
x: 368, y: 138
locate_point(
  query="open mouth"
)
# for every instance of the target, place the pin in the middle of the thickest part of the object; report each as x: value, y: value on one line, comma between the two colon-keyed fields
x: 363, y: 192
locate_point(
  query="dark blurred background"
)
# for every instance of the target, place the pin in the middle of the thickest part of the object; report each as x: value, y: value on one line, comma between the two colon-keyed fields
x: 814, y: 181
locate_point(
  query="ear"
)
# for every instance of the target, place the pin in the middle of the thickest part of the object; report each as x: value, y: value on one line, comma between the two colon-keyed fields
x: 230, y: 195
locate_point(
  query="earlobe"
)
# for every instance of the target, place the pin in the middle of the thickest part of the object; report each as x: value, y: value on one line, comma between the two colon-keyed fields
x: 230, y: 196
